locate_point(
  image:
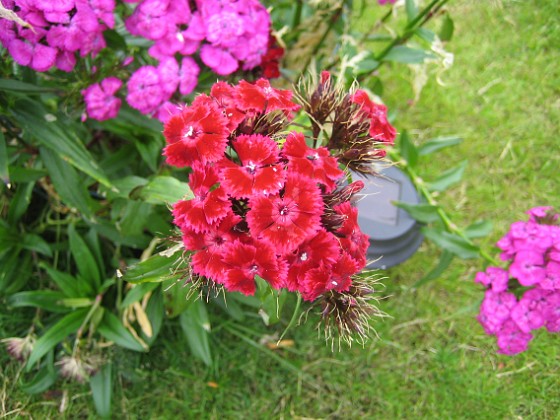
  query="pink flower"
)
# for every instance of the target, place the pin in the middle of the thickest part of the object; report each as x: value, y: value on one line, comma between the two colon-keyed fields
x: 219, y: 60
x: 37, y: 56
x: 144, y: 90
x: 101, y: 104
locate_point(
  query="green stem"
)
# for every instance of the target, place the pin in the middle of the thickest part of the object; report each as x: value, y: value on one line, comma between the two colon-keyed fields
x: 80, y: 331
x: 447, y: 222
x: 421, y: 19
x: 297, y: 14
x: 335, y: 16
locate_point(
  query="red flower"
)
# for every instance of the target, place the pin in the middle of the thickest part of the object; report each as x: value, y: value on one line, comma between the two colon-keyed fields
x: 209, y: 204
x: 380, y: 128
x: 318, y: 164
x: 261, y: 97
x: 353, y: 240
x: 270, y: 61
x: 322, y: 248
x: 208, y: 260
x: 285, y: 220
x: 226, y: 97
x: 245, y: 261
x: 259, y: 172
x: 325, y: 277
x: 197, y: 134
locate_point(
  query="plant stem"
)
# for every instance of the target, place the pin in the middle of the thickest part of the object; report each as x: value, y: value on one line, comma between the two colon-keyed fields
x: 335, y: 16
x: 80, y: 331
x: 447, y: 222
x: 297, y: 14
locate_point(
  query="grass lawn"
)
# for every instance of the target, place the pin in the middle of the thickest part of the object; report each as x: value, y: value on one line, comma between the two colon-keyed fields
x: 502, y: 95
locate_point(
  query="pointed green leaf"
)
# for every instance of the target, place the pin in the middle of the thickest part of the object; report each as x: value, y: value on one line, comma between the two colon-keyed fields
x: 137, y: 293
x: 165, y: 190
x: 452, y: 243
x: 44, y: 379
x: 20, y: 202
x: 48, y: 130
x: 69, y: 285
x: 87, y: 266
x: 195, y: 325
x: 11, y: 85
x: 479, y: 229
x: 444, y: 262
x: 4, y: 169
x: 101, y: 385
x: 408, y: 149
x: 447, y: 28
x: 55, y: 334
x: 438, y: 143
x: 407, y: 55
x: 49, y: 300
x: 155, y: 312
x: 113, y: 330
x: 23, y: 175
x: 448, y: 178
x: 35, y: 243
x: 157, y: 268
x: 411, y: 9
x: 423, y: 212
x: 67, y: 183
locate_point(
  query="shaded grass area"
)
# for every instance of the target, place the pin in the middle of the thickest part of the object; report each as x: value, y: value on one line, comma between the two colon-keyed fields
x: 432, y: 359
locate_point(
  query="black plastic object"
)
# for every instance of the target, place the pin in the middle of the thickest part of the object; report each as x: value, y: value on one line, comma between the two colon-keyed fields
x: 394, y: 235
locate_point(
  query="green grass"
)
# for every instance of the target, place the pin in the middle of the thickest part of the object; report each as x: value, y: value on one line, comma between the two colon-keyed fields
x: 432, y: 359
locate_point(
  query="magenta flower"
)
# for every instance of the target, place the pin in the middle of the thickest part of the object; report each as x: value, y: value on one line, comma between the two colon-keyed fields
x: 101, y: 103
x: 145, y: 90
x: 37, y: 56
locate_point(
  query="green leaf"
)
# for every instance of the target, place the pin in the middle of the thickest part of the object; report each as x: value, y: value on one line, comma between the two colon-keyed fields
x: 150, y: 150
x: 411, y: 9
x: 84, y: 259
x: 408, y: 149
x: 137, y: 293
x: 114, y: 40
x: 35, y: 243
x: 426, y: 35
x: 69, y: 285
x: 177, y: 296
x: 452, y: 243
x: 423, y: 212
x: 135, y: 217
x: 155, y: 312
x: 438, y: 143
x: 16, y: 271
x: 49, y: 300
x: 58, y: 137
x: 67, y: 183
x: 54, y: 335
x: 479, y: 229
x: 157, y: 268
x: 11, y: 85
x: 444, y: 262
x: 367, y: 65
x: 448, y: 178
x: 125, y: 186
x: 165, y: 190
x: 407, y: 55
x: 101, y: 385
x: 113, y: 330
x: 92, y: 240
x: 230, y: 306
x: 44, y: 379
x: 21, y: 175
x: 20, y: 202
x: 4, y: 169
x: 195, y: 324
x: 447, y: 28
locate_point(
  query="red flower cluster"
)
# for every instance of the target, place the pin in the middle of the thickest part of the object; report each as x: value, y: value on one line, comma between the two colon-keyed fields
x: 265, y: 203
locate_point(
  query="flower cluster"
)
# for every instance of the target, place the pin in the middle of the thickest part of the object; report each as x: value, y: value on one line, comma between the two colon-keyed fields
x: 227, y: 36
x: 526, y: 295
x: 265, y: 203
x: 54, y: 31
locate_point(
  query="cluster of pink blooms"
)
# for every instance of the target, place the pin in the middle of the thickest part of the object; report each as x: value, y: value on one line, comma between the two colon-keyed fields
x: 525, y: 296
x: 265, y: 203
x: 58, y: 29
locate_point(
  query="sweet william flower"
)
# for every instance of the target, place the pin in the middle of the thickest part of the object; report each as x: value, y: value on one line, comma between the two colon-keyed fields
x: 101, y: 103
x: 246, y: 261
x: 197, y: 134
x: 260, y: 171
x: 145, y: 91
x: 286, y: 219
